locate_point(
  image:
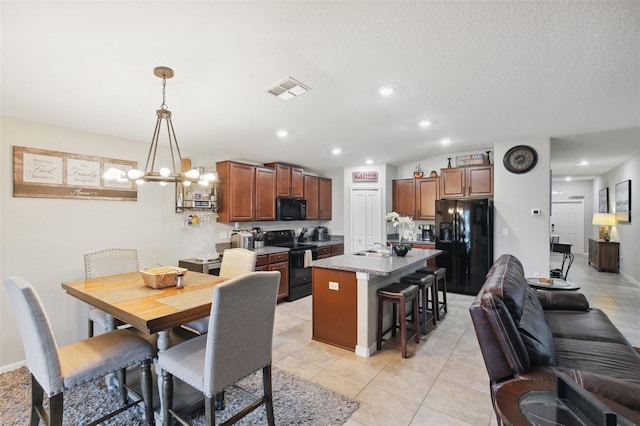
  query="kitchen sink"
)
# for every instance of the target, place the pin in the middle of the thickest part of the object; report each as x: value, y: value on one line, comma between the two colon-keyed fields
x: 374, y: 253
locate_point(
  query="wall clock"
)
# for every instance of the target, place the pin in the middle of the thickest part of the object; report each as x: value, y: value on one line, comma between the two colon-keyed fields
x: 520, y: 159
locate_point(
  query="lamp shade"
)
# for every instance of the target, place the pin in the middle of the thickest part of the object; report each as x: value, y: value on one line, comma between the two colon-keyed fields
x: 604, y: 219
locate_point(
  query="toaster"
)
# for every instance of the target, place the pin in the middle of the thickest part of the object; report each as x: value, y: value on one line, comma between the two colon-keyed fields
x: 242, y: 239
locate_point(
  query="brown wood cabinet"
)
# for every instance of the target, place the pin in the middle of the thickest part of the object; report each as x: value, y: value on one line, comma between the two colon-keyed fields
x: 463, y: 182
x: 337, y: 249
x: 335, y: 307
x: 324, y: 252
x: 246, y: 192
x: 427, y: 192
x: 276, y: 262
x: 289, y: 180
x: 416, y: 198
x: 317, y: 192
x: 404, y: 197
x: 604, y: 255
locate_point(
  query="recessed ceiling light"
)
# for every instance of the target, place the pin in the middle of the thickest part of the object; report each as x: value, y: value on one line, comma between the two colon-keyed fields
x: 568, y: 178
x: 282, y: 133
x: 386, y: 90
x: 368, y: 162
x: 582, y: 163
x: 336, y: 151
x: 445, y: 141
x: 424, y: 123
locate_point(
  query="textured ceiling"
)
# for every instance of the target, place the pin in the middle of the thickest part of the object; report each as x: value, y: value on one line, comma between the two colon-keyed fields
x: 480, y: 71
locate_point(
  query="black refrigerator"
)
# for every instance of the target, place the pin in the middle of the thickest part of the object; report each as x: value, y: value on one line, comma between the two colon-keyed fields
x: 464, y: 232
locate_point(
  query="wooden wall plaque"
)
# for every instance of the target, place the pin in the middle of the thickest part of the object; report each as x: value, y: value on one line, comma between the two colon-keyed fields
x: 39, y: 173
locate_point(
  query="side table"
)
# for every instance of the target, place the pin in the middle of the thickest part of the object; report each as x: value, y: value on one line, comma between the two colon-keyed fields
x: 557, y: 284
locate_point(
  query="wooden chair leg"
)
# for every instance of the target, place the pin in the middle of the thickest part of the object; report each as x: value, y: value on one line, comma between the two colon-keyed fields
x: 167, y: 397
x: 56, y: 409
x: 146, y: 383
x: 268, y: 394
x: 403, y: 327
x: 122, y: 389
x: 210, y: 411
x: 380, y: 306
x: 37, y: 395
x: 416, y: 319
x: 90, y: 331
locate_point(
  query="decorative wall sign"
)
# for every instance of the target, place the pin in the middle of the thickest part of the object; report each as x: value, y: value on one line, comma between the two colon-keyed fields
x: 39, y: 173
x: 371, y: 176
x: 471, y: 160
x: 603, y: 200
x: 623, y: 201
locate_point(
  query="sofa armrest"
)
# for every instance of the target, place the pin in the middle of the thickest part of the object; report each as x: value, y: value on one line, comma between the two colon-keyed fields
x: 562, y: 300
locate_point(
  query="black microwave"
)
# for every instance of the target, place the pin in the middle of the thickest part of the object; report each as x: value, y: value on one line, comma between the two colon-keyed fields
x: 291, y: 209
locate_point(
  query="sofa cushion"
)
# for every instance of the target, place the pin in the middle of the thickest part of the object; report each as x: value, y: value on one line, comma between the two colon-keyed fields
x: 616, y: 360
x: 535, y: 332
x: 506, y: 281
x: 591, y: 325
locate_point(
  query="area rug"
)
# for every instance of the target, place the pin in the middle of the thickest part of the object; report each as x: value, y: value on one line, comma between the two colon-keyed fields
x: 296, y: 402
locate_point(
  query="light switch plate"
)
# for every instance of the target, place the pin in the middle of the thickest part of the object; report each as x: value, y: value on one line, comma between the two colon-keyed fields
x: 334, y: 285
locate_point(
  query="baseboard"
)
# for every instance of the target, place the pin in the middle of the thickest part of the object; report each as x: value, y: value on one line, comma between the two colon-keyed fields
x: 14, y: 366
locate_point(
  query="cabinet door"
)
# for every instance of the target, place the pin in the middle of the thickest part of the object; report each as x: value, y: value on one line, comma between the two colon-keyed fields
x: 283, y: 289
x: 241, y: 190
x: 427, y: 192
x: 265, y: 194
x: 283, y: 179
x: 324, y: 252
x: 324, y: 199
x: 337, y: 249
x: 452, y: 182
x: 404, y: 197
x: 311, y: 188
x: 297, y: 182
x: 480, y: 181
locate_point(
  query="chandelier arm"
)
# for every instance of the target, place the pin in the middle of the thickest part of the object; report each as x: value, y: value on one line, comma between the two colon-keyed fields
x: 172, y: 132
x: 154, y: 147
x: 171, y: 143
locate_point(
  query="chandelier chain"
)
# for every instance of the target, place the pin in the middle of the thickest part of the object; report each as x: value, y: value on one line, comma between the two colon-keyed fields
x: 164, y: 93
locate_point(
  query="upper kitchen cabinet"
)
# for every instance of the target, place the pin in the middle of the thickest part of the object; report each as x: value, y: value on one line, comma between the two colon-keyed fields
x: 317, y: 192
x: 324, y: 199
x: 404, y: 197
x: 248, y: 192
x: 463, y: 182
x: 289, y: 180
x: 416, y: 198
x: 427, y: 192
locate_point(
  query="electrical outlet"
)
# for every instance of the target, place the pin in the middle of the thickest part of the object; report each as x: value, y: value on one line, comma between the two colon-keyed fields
x: 334, y: 285
x: 505, y: 231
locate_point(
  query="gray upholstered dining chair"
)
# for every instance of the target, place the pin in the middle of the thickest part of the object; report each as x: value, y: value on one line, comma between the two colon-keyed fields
x: 238, y: 343
x: 56, y: 369
x: 108, y: 262
x: 235, y: 262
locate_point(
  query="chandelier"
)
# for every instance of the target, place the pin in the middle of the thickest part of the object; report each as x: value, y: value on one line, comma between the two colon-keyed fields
x: 164, y: 175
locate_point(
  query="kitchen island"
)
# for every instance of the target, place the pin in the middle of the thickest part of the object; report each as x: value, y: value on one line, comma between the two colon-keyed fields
x: 344, y: 296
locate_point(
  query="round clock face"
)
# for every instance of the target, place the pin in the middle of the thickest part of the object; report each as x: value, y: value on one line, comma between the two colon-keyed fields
x: 520, y: 159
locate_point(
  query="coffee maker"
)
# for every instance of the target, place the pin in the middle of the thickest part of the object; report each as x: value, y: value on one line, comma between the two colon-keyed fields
x: 321, y: 233
x: 427, y: 232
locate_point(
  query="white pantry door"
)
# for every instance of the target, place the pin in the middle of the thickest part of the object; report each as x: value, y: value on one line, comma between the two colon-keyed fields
x: 567, y: 221
x: 365, y: 221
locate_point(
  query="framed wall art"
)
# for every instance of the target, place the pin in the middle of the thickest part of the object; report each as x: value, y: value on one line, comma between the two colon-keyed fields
x: 603, y: 200
x: 623, y: 201
x: 40, y: 173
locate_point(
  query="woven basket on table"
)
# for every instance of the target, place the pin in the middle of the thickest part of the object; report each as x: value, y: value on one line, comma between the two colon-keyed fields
x: 165, y: 276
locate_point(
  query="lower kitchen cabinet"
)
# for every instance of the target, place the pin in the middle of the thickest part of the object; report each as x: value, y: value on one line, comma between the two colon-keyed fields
x: 332, y: 250
x: 432, y: 261
x: 604, y: 255
x: 276, y: 262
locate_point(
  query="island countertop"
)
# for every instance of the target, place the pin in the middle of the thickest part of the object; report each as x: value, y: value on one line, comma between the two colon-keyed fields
x: 375, y: 265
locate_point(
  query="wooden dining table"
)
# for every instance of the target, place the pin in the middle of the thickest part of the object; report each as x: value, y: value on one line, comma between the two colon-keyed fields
x: 127, y: 298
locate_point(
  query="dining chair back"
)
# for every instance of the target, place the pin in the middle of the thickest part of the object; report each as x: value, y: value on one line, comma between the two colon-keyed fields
x: 100, y: 264
x: 56, y: 369
x: 235, y: 262
x: 232, y: 349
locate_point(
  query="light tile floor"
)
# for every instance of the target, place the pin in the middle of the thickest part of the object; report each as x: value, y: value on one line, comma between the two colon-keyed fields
x: 444, y: 381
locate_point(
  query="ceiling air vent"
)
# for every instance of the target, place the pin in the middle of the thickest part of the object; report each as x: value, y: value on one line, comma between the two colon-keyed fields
x: 288, y: 89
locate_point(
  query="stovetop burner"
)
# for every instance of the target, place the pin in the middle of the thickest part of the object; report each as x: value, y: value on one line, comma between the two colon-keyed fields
x: 285, y: 238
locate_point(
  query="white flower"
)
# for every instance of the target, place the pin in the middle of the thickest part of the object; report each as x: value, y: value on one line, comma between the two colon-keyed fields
x: 406, y: 226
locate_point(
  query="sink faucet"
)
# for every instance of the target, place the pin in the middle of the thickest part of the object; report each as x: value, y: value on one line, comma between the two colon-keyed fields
x: 390, y: 248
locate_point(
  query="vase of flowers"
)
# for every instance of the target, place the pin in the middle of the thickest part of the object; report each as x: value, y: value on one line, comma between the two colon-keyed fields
x: 406, y: 231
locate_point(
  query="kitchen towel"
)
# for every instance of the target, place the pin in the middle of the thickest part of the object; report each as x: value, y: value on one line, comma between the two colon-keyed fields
x: 308, y: 258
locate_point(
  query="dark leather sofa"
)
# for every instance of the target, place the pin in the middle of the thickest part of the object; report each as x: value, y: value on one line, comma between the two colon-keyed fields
x: 527, y: 334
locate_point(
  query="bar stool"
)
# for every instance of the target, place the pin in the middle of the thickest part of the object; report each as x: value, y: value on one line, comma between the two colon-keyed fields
x: 398, y: 294
x: 426, y: 284
x: 440, y: 275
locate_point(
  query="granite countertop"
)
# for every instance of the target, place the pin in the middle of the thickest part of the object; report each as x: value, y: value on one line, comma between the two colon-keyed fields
x: 416, y: 241
x: 375, y: 265
x: 331, y: 242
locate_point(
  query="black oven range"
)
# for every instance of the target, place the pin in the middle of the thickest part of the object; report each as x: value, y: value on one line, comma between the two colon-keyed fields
x: 300, y: 255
